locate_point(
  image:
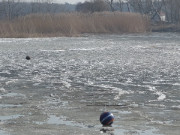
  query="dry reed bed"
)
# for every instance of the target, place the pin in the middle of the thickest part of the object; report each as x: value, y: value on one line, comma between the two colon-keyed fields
x: 73, y: 24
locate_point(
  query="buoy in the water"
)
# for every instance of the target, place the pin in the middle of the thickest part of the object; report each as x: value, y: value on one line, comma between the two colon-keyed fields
x: 28, y: 58
x: 106, y: 118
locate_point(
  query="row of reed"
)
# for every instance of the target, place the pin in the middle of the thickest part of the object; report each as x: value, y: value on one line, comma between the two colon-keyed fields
x: 73, y: 24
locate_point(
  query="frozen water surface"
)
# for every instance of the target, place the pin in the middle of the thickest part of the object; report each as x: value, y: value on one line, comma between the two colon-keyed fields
x: 69, y: 81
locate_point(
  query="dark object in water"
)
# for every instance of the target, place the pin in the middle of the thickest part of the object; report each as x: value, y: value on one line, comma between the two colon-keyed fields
x: 28, y: 58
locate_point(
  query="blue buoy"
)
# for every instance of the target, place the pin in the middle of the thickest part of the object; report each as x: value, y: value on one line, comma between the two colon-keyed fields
x: 106, y: 118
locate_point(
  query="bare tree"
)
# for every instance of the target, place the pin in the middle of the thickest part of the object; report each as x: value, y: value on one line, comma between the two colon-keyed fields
x: 148, y: 7
x: 99, y: 6
x: 120, y: 5
x: 94, y: 6
x: 174, y: 7
x: 8, y: 6
x: 84, y: 7
x: 48, y: 6
x: 110, y: 2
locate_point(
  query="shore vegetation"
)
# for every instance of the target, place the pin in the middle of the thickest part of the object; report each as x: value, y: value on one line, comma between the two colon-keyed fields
x: 73, y: 24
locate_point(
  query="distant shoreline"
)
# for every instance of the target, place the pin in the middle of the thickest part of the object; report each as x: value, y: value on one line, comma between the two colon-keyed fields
x: 165, y: 28
x: 78, y: 24
x: 73, y: 24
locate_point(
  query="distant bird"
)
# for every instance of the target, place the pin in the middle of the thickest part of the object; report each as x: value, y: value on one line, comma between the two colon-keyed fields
x: 28, y: 58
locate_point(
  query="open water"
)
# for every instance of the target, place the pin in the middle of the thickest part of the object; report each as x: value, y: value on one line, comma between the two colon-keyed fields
x: 69, y: 81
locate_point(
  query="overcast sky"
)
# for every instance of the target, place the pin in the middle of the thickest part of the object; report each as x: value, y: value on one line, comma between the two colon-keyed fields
x: 73, y: 1
x: 55, y: 1
x: 58, y: 1
x: 69, y: 1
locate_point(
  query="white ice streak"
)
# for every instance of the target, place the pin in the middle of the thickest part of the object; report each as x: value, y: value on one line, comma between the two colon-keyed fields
x: 176, y: 84
x: 119, y: 90
x: 176, y: 107
x: 15, y: 95
x: 161, y: 96
x: 78, y: 49
x: 6, y: 72
x: 9, y: 117
x: 2, y: 90
x: 11, y: 81
x: 53, y: 50
x: 83, y: 49
x: 66, y: 84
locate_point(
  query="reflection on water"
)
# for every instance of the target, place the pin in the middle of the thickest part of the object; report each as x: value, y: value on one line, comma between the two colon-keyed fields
x: 61, y: 121
x: 134, y: 76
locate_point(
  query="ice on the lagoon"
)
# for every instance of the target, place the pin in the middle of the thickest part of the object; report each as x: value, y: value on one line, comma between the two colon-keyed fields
x: 2, y: 90
x: 161, y: 96
x: 8, y: 117
x: 137, y: 73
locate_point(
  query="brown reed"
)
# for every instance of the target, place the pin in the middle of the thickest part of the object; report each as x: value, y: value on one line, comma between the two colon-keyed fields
x: 73, y: 24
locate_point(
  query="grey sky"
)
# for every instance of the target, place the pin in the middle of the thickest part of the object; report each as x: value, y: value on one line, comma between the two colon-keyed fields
x: 59, y: 1
x: 69, y: 1
x: 56, y: 1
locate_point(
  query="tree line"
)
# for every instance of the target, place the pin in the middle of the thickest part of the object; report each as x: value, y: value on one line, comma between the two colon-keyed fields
x: 10, y: 9
x: 152, y: 8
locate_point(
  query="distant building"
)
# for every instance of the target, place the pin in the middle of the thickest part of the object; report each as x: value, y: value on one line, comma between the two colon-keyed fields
x: 162, y: 16
x: 158, y: 17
